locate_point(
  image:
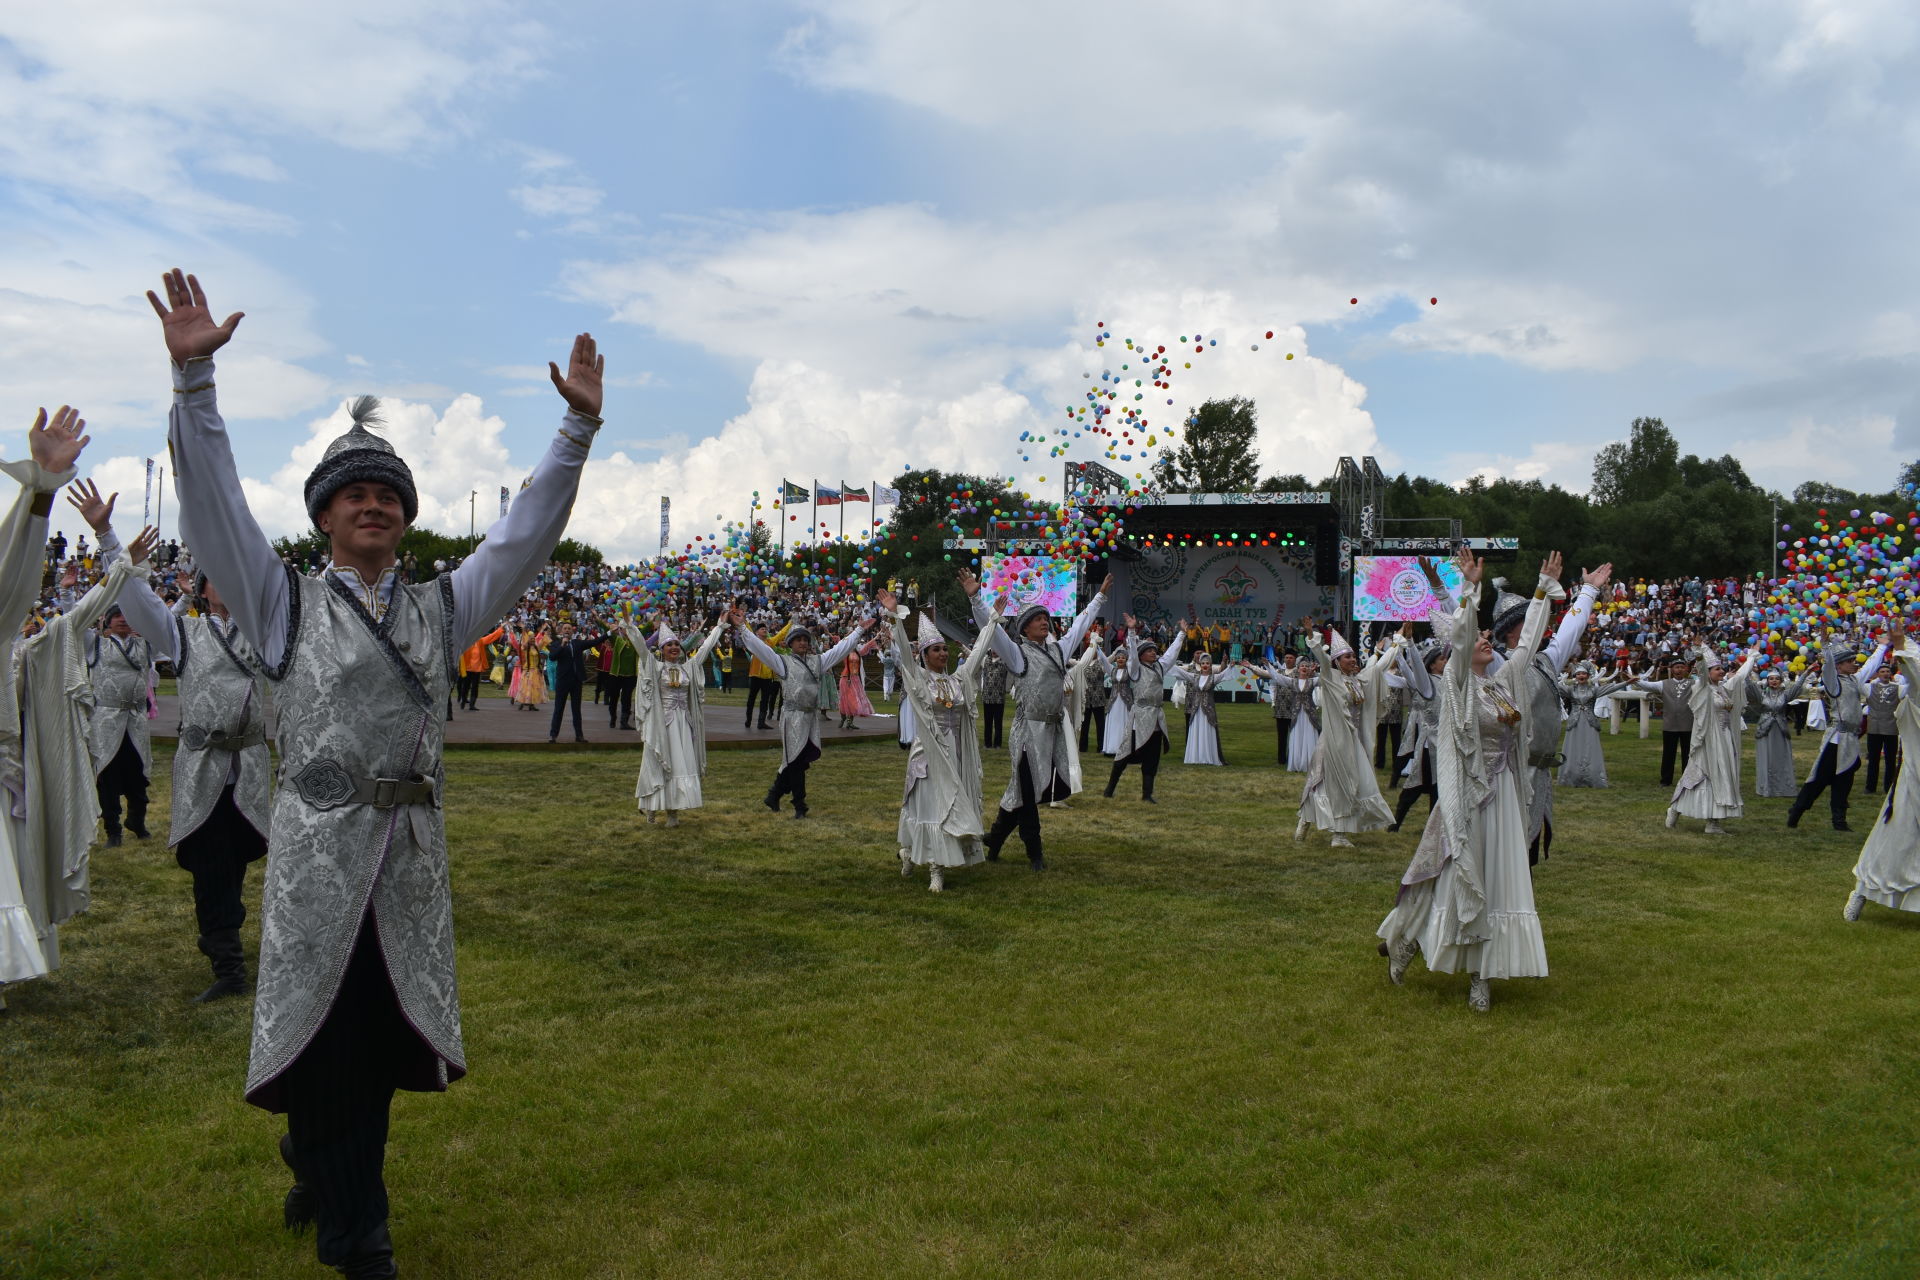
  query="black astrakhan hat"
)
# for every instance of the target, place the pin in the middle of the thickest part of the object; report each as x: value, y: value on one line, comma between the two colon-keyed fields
x: 359, y: 457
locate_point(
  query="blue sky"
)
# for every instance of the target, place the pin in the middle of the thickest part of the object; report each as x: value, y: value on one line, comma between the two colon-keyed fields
x: 834, y: 237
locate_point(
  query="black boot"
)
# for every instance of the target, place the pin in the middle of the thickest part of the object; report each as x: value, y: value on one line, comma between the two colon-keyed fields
x: 772, y: 799
x: 1793, y: 815
x: 229, y: 965
x: 1034, y: 858
x: 297, y: 1211
x: 372, y: 1258
x: 1003, y: 825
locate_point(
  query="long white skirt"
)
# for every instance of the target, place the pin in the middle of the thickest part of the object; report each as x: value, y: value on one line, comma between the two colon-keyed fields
x: 1119, y: 716
x: 1517, y: 949
x: 1203, y: 742
x: 21, y: 955
x: 680, y: 789
x: 923, y: 838
x: 1301, y: 745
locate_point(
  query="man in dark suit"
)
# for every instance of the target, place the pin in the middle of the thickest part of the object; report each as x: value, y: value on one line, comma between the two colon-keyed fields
x: 570, y: 676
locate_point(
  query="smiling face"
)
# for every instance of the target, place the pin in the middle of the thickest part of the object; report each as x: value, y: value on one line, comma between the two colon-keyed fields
x: 1483, y: 651
x: 1037, y: 628
x: 935, y: 656
x: 1348, y: 663
x: 364, y: 520
x: 673, y: 651
x: 802, y: 645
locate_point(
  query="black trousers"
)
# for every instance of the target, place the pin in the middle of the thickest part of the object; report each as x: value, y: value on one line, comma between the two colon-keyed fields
x: 1097, y: 717
x: 123, y: 776
x: 1410, y: 796
x: 1025, y: 820
x: 469, y: 690
x: 1882, y: 747
x: 1389, y: 736
x: 1669, y: 743
x: 561, y: 697
x: 765, y: 691
x: 1147, y: 756
x: 338, y: 1094
x: 620, y: 699
x: 993, y: 718
x: 216, y: 855
x: 1821, y: 779
x: 1283, y: 735
x: 792, y: 779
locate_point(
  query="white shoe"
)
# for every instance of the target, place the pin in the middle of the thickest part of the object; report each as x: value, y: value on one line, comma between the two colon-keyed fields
x: 935, y: 881
x: 1057, y: 804
x: 1300, y: 830
x: 1855, y: 901
x: 1715, y: 829
x: 1341, y: 842
x: 1399, y: 956
x: 906, y: 864
x: 1673, y: 817
x: 1479, y: 995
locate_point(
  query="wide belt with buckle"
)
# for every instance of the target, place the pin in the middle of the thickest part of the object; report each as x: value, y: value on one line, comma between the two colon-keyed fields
x: 198, y: 738
x: 325, y: 784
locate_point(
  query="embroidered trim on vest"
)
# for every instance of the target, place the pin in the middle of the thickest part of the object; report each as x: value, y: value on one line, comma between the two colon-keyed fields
x: 180, y: 633
x: 279, y: 671
x: 381, y: 636
x: 446, y: 625
x: 239, y: 664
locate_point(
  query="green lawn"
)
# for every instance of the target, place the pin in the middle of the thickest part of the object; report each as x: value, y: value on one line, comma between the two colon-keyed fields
x: 748, y: 1047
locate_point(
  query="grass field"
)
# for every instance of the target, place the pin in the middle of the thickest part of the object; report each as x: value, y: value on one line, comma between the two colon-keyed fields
x: 747, y: 1047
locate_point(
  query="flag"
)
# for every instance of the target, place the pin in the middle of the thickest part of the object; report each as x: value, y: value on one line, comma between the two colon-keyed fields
x: 506, y: 496
x: 666, y: 528
x: 850, y: 494
x: 883, y: 495
x: 146, y: 503
x: 825, y: 495
x: 791, y: 493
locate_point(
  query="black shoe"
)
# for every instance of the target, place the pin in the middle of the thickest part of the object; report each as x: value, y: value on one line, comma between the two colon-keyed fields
x: 372, y: 1258
x: 553, y: 737
x: 579, y: 737
x: 222, y: 987
x: 764, y: 726
x: 113, y: 839
x: 1842, y: 825
x: 771, y: 801
x: 1793, y: 817
x: 1109, y: 793
x: 297, y: 1210
x: 993, y: 851
x: 139, y: 830
x: 1394, y: 827
x: 1149, y: 799
x: 1036, y: 862
x: 799, y: 811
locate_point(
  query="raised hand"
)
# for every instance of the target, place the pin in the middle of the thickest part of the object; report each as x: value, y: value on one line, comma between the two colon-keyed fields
x: 581, y: 388
x: 70, y: 577
x: 186, y: 323
x: 56, y: 444
x: 142, y: 546
x: 1434, y: 580
x: 969, y: 583
x: 886, y: 599
x: 1551, y: 566
x: 85, y: 497
x: 1406, y: 628
x: 1106, y: 585
x: 1470, y: 565
x: 1128, y: 618
x: 1597, y: 578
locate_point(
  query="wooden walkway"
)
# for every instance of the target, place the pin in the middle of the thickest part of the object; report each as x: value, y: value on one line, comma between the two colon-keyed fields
x: 497, y: 725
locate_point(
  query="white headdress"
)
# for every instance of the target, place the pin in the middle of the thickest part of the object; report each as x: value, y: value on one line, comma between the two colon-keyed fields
x: 929, y: 634
x: 663, y: 635
x: 1338, y: 647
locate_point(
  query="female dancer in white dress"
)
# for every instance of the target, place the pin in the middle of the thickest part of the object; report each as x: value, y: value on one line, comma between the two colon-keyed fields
x: 1710, y: 788
x: 671, y: 710
x: 1203, y: 719
x: 1888, y: 871
x: 1306, y: 726
x: 940, y: 811
x: 1773, y: 732
x: 1582, y: 763
x: 1342, y: 794
x: 1089, y: 666
x: 1119, y: 705
x: 1466, y: 900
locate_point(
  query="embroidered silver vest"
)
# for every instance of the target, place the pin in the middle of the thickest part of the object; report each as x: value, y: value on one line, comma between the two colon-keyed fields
x: 222, y: 704
x: 1883, y: 698
x: 1542, y: 712
x: 360, y: 702
x: 1041, y: 689
x: 117, y: 670
x: 800, y: 692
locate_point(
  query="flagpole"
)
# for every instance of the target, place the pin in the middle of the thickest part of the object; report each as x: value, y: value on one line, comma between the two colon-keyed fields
x: 839, y: 556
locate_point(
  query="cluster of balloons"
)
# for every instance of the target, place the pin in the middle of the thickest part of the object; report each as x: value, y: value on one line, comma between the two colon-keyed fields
x: 1860, y: 571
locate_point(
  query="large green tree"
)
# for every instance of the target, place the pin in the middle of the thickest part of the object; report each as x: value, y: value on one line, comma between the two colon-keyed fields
x: 1644, y: 465
x: 1216, y: 454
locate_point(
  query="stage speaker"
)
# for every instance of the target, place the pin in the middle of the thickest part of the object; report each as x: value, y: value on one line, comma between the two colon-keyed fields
x: 1326, y: 554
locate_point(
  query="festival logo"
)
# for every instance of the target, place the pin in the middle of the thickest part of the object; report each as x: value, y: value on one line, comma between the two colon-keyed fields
x: 1236, y: 585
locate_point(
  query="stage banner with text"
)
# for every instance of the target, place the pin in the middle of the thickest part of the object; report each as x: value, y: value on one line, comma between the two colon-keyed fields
x: 1247, y: 589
